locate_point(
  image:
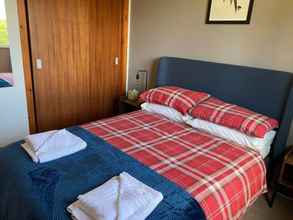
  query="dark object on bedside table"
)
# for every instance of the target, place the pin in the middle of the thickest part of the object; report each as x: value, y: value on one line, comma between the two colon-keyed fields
x: 285, y: 179
x: 126, y: 105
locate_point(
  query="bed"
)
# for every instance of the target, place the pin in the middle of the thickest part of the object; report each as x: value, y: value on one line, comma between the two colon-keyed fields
x: 194, y: 160
x: 212, y: 177
x: 6, y: 79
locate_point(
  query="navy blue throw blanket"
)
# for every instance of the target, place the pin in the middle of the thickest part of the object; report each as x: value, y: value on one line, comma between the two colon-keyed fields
x: 3, y: 83
x: 30, y: 191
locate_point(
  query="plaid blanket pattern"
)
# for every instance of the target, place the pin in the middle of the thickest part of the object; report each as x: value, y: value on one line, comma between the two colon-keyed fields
x: 225, y: 178
x: 235, y: 117
x: 178, y: 98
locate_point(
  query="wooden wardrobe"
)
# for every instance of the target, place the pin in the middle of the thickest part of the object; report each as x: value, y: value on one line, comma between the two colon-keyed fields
x: 77, y: 59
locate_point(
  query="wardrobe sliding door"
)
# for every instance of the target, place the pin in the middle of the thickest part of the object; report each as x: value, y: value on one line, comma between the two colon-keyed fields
x: 75, y: 50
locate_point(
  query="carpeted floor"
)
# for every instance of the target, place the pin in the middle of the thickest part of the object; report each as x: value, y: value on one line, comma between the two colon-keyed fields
x: 282, y: 210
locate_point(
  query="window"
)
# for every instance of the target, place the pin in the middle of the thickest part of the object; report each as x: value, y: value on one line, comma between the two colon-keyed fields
x: 3, y: 26
x: 6, y: 76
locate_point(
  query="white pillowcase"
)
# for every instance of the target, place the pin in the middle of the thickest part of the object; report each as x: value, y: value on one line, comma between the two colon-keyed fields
x: 262, y: 145
x: 166, y: 111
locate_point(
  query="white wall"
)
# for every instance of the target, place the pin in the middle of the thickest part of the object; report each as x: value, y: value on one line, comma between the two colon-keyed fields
x: 13, y: 115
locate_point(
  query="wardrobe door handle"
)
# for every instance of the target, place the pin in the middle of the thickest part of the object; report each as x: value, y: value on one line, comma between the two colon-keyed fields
x: 116, y: 61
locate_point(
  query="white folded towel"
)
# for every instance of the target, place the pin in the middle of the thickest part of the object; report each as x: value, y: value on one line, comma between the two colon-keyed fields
x: 76, y: 211
x: 36, y: 141
x: 121, y: 198
x: 51, y: 145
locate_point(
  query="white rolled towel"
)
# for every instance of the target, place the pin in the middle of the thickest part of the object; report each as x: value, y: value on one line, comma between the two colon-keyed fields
x: 51, y: 145
x: 121, y: 198
x: 75, y: 209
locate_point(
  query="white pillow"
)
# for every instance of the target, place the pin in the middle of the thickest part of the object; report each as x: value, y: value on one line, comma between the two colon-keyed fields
x: 262, y: 145
x: 166, y: 111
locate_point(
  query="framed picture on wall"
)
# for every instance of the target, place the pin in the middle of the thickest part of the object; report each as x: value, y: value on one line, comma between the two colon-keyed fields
x: 229, y: 11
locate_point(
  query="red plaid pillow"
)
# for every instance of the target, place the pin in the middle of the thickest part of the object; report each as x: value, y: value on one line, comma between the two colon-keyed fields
x: 178, y: 98
x: 235, y: 117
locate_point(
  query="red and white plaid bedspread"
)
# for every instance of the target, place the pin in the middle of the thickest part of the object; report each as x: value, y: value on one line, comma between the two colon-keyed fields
x: 225, y: 178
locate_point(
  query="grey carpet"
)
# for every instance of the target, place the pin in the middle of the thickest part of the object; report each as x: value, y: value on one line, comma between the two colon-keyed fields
x: 282, y: 210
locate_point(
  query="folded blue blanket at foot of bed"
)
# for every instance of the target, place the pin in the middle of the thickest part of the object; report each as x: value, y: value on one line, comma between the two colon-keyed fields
x: 32, y: 191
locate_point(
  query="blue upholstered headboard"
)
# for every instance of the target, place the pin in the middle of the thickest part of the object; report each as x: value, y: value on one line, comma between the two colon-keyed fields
x: 264, y: 91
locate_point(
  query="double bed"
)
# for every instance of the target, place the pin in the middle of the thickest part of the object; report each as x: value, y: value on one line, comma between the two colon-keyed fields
x: 217, y: 178
x: 225, y: 178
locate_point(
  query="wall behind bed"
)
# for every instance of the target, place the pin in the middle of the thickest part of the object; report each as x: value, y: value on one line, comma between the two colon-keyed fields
x: 177, y: 28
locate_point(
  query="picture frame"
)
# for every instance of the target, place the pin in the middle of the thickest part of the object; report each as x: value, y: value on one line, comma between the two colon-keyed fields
x: 229, y: 11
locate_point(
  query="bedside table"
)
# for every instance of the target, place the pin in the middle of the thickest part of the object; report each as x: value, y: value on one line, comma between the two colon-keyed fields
x: 126, y: 105
x: 285, y: 179
x: 286, y: 175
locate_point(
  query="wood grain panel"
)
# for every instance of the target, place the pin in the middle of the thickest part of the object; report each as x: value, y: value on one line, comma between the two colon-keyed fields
x: 26, y: 59
x: 77, y: 41
x: 124, y: 46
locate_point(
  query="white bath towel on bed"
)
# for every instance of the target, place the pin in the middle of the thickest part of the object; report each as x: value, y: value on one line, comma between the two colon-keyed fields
x: 121, y: 198
x: 52, y: 145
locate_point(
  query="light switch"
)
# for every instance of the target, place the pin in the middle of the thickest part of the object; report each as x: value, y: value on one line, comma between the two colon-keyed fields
x: 39, y: 64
